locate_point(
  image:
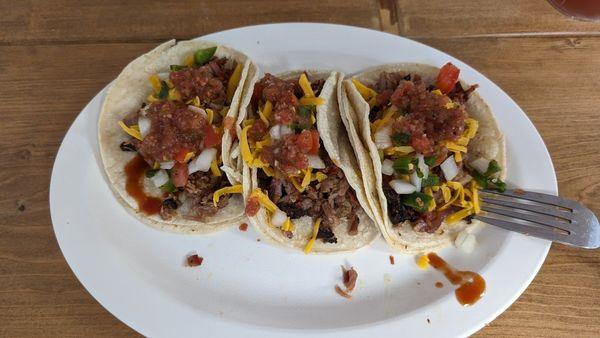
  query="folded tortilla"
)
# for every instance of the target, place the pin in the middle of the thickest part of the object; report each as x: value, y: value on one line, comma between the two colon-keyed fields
x: 336, y: 143
x: 488, y: 143
x: 126, y: 95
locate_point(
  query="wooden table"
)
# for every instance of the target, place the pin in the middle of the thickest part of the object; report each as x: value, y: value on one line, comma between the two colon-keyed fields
x: 56, y: 54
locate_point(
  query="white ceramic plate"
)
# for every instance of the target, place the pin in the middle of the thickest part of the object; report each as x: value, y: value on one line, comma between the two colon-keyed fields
x: 252, y: 289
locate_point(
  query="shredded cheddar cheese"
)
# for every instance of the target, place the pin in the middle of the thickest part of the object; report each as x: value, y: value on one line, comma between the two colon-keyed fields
x: 234, y: 80
x: 234, y: 189
x: 319, y: 176
x: 457, y: 216
x: 305, y: 85
x: 188, y: 156
x: 214, y: 168
x: 311, y: 101
x: 189, y: 60
x: 210, y: 115
x: 367, y: 93
x: 131, y: 130
x: 315, y: 231
x: 307, y: 178
x: 265, y: 112
x: 155, y: 82
x: 400, y: 150
x: 472, y: 126
x: 264, y: 200
x: 174, y: 95
x: 423, y: 262
x: 244, y: 146
x: 475, y: 197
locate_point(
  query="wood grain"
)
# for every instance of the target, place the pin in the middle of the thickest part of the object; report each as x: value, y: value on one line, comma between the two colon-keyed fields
x: 34, y: 22
x: 55, y: 55
x: 468, y: 18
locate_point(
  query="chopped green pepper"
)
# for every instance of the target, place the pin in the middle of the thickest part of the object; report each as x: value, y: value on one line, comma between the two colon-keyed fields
x: 177, y: 67
x: 492, y: 168
x: 168, y: 187
x: 201, y: 56
x: 164, y: 91
x: 418, y: 201
x: 402, y: 164
x: 400, y: 139
x: 306, y: 110
x: 430, y: 160
x: 430, y: 181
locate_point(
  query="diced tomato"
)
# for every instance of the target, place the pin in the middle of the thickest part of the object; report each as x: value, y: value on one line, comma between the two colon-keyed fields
x: 421, y: 144
x: 211, y: 137
x: 315, y: 142
x: 228, y: 123
x: 179, y: 174
x: 304, y: 141
x: 252, y: 206
x: 180, y: 156
x: 447, y: 78
x: 257, y: 131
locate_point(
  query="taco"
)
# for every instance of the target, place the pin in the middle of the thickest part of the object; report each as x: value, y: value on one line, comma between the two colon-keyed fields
x: 165, y: 124
x: 301, y: 179
x: 428, y: 143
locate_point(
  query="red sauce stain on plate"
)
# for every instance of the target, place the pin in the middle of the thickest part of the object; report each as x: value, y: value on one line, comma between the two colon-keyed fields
x: 134, y: 172
x: 471, y: 286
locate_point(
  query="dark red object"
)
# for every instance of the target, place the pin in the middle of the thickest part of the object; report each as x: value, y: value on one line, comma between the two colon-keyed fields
x: 194, y: 260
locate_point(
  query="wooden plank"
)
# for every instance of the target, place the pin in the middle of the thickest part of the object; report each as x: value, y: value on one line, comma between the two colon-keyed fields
x: 553, y: 79
x: 461, y: 18
x: 42, y: 22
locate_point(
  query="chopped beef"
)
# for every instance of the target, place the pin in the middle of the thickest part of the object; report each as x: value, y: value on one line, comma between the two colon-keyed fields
x: 208, y: 82
x: 194, y: 260
x: 430, y: 221
x: 397, y: 211
x: 199, y: 191
x: 461, y: 95
x: 326, y: 234
x: 168, y: 208
x: 127, y: 146
x: 342, y: 293
x: 349, y: 276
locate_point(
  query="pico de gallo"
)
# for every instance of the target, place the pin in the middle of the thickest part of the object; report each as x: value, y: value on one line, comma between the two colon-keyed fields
x: 422, y: 131
x: 296, y: 177
x: 177, y: 132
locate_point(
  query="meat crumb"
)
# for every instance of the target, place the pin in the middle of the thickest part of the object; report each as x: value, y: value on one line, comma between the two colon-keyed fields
x: 428, y: 321
x: 439, y: 285
x: 194, y: 260
x: 392, y: 260
x: 342, y: 293
x: 243, y: 226
x: 349, y: 277
x: 258, y: 239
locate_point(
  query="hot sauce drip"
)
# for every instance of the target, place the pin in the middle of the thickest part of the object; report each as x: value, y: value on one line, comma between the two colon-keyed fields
x: 134, y: 172
x: 471, y: 285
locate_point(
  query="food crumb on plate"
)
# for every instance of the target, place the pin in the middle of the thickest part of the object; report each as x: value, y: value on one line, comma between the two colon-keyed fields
x: 349, y: 277
x: 428, y: 321
x: 392, y: 261
x: 439, y: 285
x: 194, y: 260
x: 243, y: 226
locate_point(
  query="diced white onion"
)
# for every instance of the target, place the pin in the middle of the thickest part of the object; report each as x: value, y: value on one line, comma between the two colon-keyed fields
x: 415, y: 180
x: 449, y: 168
x: 144, y: 124
x: 275, y: 132
x: 163, y: 76
x: 480, y: 164
x: 465, y: 241
x: 315, y: 162
x: 160, y: 178
x: 382, y: 137
x: 198, y: 110
x: 167, y: 165
x: 202, y: 162
x: 423, y: 166
x: 279, y: 217
x: 387, y: 167
x: 402, y: 187
x: 285, y: 130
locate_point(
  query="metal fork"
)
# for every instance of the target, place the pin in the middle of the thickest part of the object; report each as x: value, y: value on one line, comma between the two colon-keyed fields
x: 541, y: 215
